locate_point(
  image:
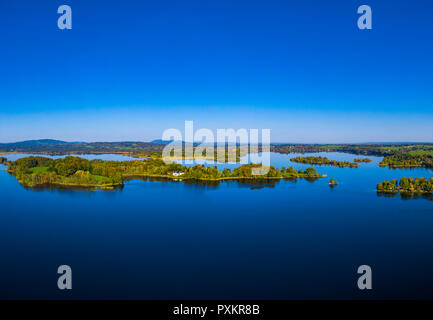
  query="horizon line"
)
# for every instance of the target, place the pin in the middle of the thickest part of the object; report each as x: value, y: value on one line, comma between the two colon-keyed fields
x: 272, y: 143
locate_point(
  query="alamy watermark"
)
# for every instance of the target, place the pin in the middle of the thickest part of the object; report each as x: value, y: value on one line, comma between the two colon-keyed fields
x: 228, y: 145
x: 366, y: 20
x: 64, y: 282
x: 65, y: 20
x: 365, y: 280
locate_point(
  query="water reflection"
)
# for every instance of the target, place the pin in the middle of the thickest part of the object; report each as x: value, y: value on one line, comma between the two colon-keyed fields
x: 310, y: 179
x: 362, y: 179
x: 252, y: 184
x: 66, y: 189
x: 251, y: 239
x: 409, y: 169
x: 406, y: 195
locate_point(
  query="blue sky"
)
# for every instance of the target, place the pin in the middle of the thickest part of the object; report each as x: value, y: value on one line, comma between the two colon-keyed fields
x: 128, y: 70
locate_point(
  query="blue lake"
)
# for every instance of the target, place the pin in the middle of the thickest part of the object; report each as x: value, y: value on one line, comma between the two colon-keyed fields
x: 173, y: 240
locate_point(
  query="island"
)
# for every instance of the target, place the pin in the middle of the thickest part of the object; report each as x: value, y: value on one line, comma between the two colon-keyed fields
x: 332, y: 182
x: 73, y: 171
x: 406, y: 185
x: 412, y: 159
x: 366, y: 160
x: 324, y: 161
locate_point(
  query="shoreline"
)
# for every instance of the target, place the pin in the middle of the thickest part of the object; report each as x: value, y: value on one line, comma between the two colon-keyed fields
x: 401, y: 166
x: 403, y: 192
x: 129, y: 177
x: 222, y: 178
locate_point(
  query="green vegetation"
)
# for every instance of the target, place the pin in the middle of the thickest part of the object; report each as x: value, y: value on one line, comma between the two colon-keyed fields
x: 232, y: 154
x: 366, y: 160
x: 324, y: 161
x: 56, y: 147
x: 70, y: 171
x: 75, y: 171
x: 361, y: 149
x: 406, y: 185
x: 38, y: 170
x: 134, y: 149
x: 396, y: 155
x: 411, y: 159
x: 332, y: 182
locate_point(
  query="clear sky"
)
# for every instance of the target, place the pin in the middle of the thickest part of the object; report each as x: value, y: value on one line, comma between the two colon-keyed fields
x: 128, y: 70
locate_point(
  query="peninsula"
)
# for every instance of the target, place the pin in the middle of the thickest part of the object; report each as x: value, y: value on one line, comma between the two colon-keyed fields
x: 325, y: 162
x: 77, y: 172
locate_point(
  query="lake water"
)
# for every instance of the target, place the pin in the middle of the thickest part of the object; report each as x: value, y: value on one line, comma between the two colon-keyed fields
x: 172, y: 240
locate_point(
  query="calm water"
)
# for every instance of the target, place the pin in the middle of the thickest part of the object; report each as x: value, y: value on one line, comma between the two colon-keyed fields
x: 170, y: 240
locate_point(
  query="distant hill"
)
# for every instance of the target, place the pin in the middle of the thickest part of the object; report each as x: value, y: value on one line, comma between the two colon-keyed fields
x: 40, y: 142
x: 58, y: 147
x: 159, y: 141
x: 165, y: 142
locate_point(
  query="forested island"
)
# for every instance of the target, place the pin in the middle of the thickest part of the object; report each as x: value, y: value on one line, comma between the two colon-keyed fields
x: 406, y: 185
x: 77, y: 172
x: 409, y: 160
x: 366, y: 160
x: 324, y: 161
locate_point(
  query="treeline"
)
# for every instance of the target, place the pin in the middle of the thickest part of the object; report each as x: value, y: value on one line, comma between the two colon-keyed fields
x: 154, y: 149
x: 359, y: 149
x: 417, y: 185
x: 407, y: 160
x: 75, y: 171
x: 324, y: 161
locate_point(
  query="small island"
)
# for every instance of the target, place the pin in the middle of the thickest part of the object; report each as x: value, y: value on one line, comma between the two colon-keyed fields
x: 366, y: 160
x: 406, y: 185
x: 77, y: 172
x: 325, y: 162
x: 332, y: 182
